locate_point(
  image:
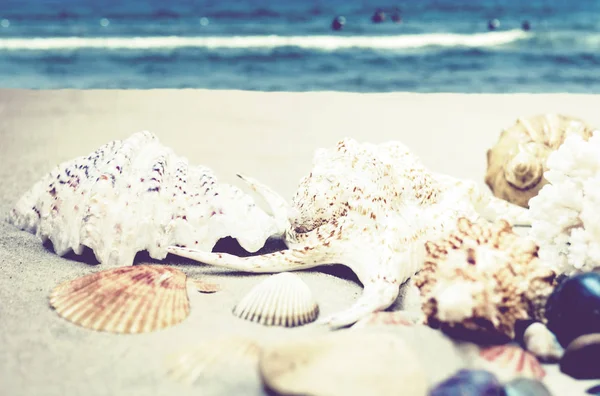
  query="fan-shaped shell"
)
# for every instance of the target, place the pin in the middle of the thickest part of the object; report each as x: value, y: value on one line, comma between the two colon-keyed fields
x: 517, y: 162
x: 134, y: 195
x: 135, y: 299
x: 484, y: 278
x: 227, y: 358
x: 280, y: 300
x: 510, y: 361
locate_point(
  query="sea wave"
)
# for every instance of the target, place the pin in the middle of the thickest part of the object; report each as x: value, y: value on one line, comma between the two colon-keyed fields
x: 330, y: 43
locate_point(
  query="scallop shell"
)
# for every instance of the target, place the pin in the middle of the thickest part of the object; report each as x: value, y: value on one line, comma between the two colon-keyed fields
x: 483, y: 278
x: 228, y: 358
x: 135, y: 195
x: 135, y: 299
x: 516, y: 164
x: 280, y: 300
x: 511, y: 361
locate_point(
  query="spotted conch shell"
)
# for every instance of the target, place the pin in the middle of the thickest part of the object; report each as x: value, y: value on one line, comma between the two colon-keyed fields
x: 369, y: 207
x: 516, y: 164
x: 484, y: 278
x: 134, y: 195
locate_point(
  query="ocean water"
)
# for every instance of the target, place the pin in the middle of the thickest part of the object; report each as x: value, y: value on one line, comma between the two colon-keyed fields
x: 440, y: 45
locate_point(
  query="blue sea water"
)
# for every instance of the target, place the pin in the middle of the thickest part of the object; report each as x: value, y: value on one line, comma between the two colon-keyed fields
x: 275, y: 45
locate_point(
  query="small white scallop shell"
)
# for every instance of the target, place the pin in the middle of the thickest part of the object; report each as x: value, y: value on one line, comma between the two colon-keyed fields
x: 280, y: 300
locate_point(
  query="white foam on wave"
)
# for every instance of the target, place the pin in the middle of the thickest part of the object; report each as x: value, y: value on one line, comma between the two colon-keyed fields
x: 311, y: 42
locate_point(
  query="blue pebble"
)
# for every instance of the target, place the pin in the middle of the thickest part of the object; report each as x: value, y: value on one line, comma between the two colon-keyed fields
x: 526, y: 387
x: 469, y: 383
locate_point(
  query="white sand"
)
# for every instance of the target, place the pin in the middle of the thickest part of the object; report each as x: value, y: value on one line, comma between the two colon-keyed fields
x: 270, y: 136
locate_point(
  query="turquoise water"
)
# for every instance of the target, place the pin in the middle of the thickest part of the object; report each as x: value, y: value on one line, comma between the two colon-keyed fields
x: 290, y: 46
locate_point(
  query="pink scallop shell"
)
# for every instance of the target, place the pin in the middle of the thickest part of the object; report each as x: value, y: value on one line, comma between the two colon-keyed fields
x: 512, y: 361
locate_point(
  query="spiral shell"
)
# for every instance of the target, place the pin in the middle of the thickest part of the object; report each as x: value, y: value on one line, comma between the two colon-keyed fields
x: 483, y: 278
x: 516, y: 164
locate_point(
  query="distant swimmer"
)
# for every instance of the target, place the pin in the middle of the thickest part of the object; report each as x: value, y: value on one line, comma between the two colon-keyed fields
x: 338, y: 23
x: 396, y: 17
x: 378, y: 16
x: 526, y: 26
x: 493, y: 24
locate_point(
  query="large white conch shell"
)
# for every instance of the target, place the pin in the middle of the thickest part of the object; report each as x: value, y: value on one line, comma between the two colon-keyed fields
x: 135, y: 195
x: 369, y: 207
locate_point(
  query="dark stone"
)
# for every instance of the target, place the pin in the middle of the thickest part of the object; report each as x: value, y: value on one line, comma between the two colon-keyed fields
x: 338, y: 23
x: 526, y: 387
x: 582, y: 357
x: 573, y: 309
x: 594, y: 390
x: 484, y: 335
x: 396, y: 16
x: 378, y: 16
x: 469, y: 383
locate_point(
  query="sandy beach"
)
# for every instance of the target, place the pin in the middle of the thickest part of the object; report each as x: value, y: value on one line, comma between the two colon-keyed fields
x: 270, y: 136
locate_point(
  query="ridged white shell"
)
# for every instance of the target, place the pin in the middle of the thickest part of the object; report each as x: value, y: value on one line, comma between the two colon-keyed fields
x: 135, y: 195
x: 134, y: 299
x: 227, y: 358
x: 280, y: 300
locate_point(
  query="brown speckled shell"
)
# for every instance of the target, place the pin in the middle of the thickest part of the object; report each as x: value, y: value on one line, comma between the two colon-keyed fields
x: 522, y: 283
x: 515, y: 165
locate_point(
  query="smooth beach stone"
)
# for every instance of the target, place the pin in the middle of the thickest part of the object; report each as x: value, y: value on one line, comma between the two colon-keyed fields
x: 526, y: 387
x: 582, y: 357
x: 594, y: 390
x: 470, y: 383
x: 573, y: 309
x: 343, y: 363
